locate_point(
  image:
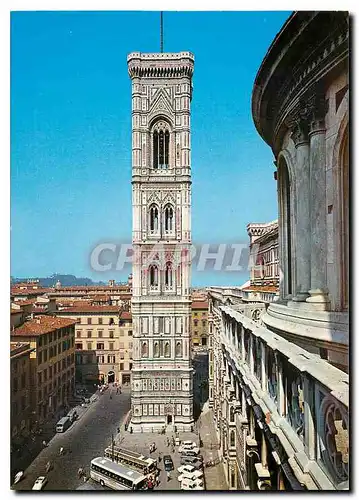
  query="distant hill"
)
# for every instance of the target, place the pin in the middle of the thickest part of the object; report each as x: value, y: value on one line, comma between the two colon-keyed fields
x: 65, y: 280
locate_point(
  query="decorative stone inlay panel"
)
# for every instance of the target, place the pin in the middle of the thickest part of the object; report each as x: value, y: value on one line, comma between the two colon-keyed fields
x: 335, y: 438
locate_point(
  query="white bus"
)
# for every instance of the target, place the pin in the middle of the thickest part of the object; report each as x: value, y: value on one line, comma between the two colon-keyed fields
x: 132, y: 459
x: 115, y: 476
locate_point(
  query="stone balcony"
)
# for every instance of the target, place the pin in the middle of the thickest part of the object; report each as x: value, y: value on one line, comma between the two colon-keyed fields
x: 302, y: 399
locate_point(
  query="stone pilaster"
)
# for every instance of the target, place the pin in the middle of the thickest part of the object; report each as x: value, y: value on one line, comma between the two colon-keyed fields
x: 302, y: 229
x: 318, y: 278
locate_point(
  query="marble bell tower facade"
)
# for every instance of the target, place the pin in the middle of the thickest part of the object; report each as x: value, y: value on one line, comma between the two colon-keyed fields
x: 162, y: 391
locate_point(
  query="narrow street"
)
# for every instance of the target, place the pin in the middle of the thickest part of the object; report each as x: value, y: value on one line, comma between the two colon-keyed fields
x: 84, y: 440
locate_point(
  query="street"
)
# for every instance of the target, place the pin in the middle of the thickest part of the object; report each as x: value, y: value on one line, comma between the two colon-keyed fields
x: 84, y: 440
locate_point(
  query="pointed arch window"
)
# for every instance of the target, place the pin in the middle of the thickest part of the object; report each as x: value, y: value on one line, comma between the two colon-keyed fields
x: 161, y: 143
x: 178, y: 349
x: 169, y: 220
x: 156, y: 350
x: 153, y: 273
x: 154, y: 218
x: 167, y: 350
x: 144, y: 350
x: 169, y: 275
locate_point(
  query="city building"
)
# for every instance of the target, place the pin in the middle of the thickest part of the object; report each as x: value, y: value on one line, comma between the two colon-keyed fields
x: 52, y: 361
x: 97, y: 342
x: 20, y: 376
x: 161, y: 192
x: 278, y: 389
x: 264, y: 263
x: 199, y: 326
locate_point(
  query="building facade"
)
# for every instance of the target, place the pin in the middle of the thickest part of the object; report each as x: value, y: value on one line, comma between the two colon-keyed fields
x: 98, y: 345
x: 20, y: 373
x: 199, y: 323
x: 52, y: 360
x: 161, y: 197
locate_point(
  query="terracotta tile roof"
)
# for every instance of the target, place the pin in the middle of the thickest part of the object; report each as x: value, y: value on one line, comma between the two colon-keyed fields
x: 30, y: 291
x: 25, y: 302
x: 200, y: 304
x: 126, y: 315
x: 41, y: 325
x: 105, y: 288
x: 91, y: 309
x: 261, y: 288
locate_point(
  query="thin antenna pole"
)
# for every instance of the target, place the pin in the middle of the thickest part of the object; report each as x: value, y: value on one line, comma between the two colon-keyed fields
x: 161, y: 31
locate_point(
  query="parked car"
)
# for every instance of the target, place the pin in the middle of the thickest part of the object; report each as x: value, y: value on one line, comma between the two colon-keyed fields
x: 168, y: 463
x: 39, y: 483
x: 191, y: 483
x: 194, y: 461
x: 190, y: 475
x: 191, y: 487
x: 187, y: 445
x: 187, y: 468
x: 191, y: 453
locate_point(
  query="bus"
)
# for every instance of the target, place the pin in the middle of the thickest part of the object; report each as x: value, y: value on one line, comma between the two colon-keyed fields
x: 63, y: 424
x: 131, y: 459
x: 115, y: 476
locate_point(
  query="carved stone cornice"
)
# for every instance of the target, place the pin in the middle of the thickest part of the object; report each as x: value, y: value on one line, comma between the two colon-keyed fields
x: 165, y: 65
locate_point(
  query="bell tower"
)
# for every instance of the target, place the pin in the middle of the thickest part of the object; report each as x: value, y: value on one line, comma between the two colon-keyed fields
x: 162, y: 393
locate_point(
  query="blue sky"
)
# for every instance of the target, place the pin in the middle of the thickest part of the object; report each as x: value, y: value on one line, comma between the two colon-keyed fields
x: 71, y: 132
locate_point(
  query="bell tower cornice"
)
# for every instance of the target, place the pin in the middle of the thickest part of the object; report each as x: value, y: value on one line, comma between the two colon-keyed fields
x: 157, y: 65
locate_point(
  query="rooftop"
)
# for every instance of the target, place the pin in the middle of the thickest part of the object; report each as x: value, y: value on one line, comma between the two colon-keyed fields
x: 86, y: 308
x: 41, y: 325
x: 200, y: 304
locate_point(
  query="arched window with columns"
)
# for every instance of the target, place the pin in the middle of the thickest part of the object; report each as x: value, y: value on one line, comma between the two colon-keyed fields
x: 153, y: 276
x: 153, y: 218
x: 285, y: 206
x: 161, y: 145
x: 168, y: 217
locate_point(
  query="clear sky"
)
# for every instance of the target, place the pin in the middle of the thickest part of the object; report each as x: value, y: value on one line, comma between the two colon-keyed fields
x: 71, y: 132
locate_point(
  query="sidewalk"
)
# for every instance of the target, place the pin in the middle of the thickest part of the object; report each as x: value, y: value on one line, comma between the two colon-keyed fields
x: 214, y: 476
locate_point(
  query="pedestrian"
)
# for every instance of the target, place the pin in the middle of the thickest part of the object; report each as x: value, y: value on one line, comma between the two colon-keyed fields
x: 44, y: 443
x: 168, y: 475
x: 159, y: 458
x: 61, y: 451
x: 117, y: 390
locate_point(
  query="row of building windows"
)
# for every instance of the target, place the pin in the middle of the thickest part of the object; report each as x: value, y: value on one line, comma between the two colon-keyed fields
x: 100, y: 346
x: 100, y: 321
x: 53, y: 336
x: 48, y: 353
x: 88, y: 359
x: 56, y: 368
x: 203, y: 314
x: 195, y: 322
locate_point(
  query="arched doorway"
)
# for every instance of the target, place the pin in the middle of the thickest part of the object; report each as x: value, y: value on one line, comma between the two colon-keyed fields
x: 111, y: 377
